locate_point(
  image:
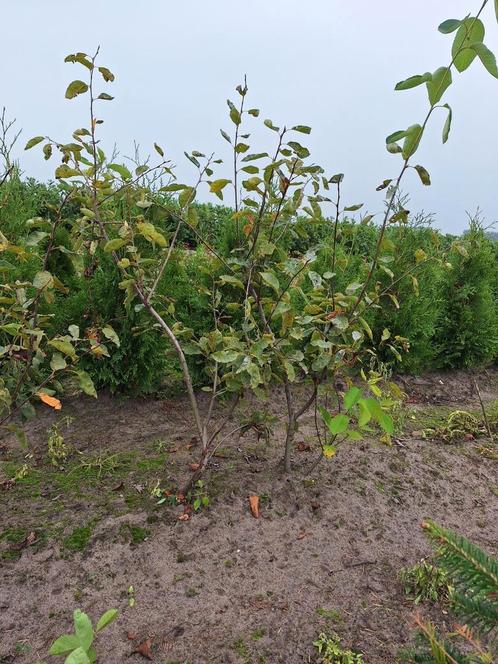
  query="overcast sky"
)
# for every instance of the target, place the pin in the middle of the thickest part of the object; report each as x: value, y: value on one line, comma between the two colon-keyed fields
x: 331, y: 64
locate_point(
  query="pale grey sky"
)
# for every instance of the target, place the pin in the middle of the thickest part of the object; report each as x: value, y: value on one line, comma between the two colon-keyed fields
x: 331, y: 64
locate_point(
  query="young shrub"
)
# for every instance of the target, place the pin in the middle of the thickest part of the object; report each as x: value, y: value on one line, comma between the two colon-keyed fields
x: 78, y: 647
x: 467, y: 331
x: 425, y: 582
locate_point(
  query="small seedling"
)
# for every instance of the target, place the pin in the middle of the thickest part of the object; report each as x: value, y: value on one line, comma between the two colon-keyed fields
x: 330, y: 651
x: 425, y: 582
x: 57, y: 450
x: 198, y: 496
x: 79, y: 646
x: 131, y: 596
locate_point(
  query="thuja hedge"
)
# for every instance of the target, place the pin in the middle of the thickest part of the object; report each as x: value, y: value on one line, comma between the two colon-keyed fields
x: 446, y: 317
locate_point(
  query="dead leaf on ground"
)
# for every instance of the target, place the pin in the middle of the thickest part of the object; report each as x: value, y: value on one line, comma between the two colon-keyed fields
x: 184, y: 517
x: 254, y: 505
x: 118, y: 487
x: 27, y: 541
x: 193, y: 442
x: 138, y: 487
x: 194, y: 466
x: 144, y: 649
x: 303, y: 447
x: 131, y: 636
x: 303, y: 535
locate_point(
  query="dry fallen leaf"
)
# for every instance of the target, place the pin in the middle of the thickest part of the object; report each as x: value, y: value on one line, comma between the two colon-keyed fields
x: 27, y: 541
x: 50, y: 401
x: 144, y: 649
x: 184, y: 517
x: 303, y: 535
x: 254, y: 505
x: 131, y: 636
x: 303, y: 447
x: 194, y: 467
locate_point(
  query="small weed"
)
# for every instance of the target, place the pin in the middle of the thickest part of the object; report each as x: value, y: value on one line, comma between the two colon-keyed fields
x: 425, y: 582
x: 330, y: 651
x: 79, y: 538
x: 57, y: 450
x: 136, y: 533
x: 191, y: 592
x: 242, y: 650
x: 229, y: 563
x: 329, y: 614
x: 258, y: 634
x: 131, y: 596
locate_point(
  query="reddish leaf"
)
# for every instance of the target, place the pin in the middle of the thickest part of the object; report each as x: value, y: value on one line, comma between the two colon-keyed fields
x: 184, y: 517
x: 254, y: 505
x: 144, y: 649
x: 194, y: 466
x: 303, y: 447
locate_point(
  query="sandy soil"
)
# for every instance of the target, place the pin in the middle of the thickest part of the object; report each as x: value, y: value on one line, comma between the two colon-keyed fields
x: 223, y: 586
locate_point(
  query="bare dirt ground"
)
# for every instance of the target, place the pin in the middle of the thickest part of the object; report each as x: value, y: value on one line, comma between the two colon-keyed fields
x: 224, y: 587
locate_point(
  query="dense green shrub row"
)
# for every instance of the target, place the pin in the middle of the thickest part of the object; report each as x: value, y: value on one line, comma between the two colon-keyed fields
x: 447, y: 311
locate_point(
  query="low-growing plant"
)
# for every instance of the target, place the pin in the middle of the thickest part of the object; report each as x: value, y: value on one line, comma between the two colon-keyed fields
x: 425, y: 582
x: 330, y: 651
x: 57, y: 450
x: 78, y: 647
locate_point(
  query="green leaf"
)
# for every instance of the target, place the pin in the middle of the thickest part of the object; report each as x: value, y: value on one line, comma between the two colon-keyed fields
x: 271, y: 280
x: 384, y: 420
x: 353, y: 208
x: 78, y: 656
x: 252, y: 157
x: 33, y: 141
x: 412, y: 140
x: 47, y: 151
x: 254, y: 112
x: 114, y: 245
x: 105, y: 97
x: 450, y: 25
x: 299, y: 149
x: 65, y: 347
x: 412, y: 81
x: 83, y: 628
x: 64, y: 644
x: 86, y: 383
x: 230, y: 279
x: 487, y: 58
x: 351, y: 397
x: 186, y: 197
x: 110, y: 334
x: 76, y: 88
x: 150, y: 233
x: 396, y: 136
x: 337, y: 178
x: 57, y: 362
x: 121, y: 170
x: 65, y: 171
x: 303, y: 129
x: 107, y: 75
x: 106, y: 618
x: 441, y: 80
x: 43, y: 280
x: 470, y: 31
x: 447, y: 124
x: 337, y: 424
x: 226, y: 356
x: 423, y: 174
x: 217, y: 186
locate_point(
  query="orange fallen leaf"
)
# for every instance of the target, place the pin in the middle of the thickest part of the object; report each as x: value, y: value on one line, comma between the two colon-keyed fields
x: 194, y: 467
x: 145, y: 649
x: 184, y: 517
x: 50, y: 401
x: 254, y: 505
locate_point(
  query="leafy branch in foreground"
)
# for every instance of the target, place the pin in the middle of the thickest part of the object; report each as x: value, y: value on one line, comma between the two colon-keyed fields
x: 474, y: 598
